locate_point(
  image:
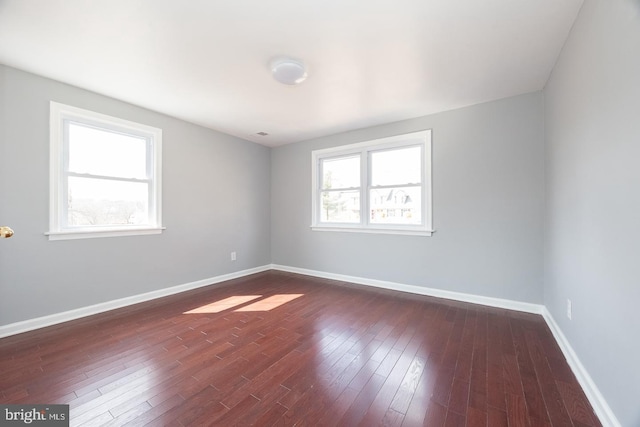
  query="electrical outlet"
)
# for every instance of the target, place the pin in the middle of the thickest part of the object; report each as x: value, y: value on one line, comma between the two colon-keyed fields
x: 569, y: 309
x: 233, y: 256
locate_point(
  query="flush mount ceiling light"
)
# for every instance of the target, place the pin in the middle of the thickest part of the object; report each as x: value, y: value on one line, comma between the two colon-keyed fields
x: 288, y: 71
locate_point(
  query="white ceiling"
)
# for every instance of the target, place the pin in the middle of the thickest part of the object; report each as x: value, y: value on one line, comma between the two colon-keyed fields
x: 370, y: 61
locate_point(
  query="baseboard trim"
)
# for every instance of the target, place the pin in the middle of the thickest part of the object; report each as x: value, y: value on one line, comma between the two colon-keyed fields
x: 439, y: 293
x: 600, y: 406
x: 53, y: 319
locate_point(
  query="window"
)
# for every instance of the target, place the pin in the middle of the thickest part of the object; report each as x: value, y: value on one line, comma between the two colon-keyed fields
x: 380, y: 186
x: 105, y: 175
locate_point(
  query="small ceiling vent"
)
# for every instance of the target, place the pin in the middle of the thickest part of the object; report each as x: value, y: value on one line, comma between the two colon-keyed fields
x: 262, y: 133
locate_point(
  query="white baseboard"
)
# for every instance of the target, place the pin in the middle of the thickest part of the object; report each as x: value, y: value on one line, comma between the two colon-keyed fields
x: 53, y: 319
x: 600, y: 406
x: 439, y: 293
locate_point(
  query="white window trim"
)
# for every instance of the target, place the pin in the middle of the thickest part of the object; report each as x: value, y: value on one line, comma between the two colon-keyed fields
x: 60, y: 112
x: 363, y: 148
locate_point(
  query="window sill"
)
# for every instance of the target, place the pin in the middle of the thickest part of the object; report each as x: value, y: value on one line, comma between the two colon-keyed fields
x: 91, y: 234
x: 407, y: 232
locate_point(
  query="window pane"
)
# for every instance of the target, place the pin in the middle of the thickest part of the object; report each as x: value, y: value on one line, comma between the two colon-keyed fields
x: 340, y: 206
x: 400, y: 205
x: 343, y: 172
x: 396, y: 167
x: 104, y: 202
x: 102, y: 152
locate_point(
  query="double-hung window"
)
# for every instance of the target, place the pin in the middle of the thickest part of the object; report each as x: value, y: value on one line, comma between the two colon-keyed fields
x: 380, y: 186
x: 105, y: 175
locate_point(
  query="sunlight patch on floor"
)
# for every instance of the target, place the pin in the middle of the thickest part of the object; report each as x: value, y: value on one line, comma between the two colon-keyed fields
x: 266, y: 304
x: 225, y: 304
x: 270, y: 303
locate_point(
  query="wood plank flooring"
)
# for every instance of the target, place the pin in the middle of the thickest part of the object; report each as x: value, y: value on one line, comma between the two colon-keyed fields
x: 333, y: 354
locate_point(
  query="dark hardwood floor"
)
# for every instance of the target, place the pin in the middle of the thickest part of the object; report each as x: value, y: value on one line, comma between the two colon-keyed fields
x: 329, y: 354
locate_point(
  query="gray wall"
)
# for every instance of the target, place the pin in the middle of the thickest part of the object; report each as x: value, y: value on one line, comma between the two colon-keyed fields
x: 592, y: 244
x: 215, y: 200
x: 491, y: 207
x: 488, y: 206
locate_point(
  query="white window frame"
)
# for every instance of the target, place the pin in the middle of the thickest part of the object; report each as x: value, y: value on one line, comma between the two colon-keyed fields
x: 363, y: 149
x: 58, y: 171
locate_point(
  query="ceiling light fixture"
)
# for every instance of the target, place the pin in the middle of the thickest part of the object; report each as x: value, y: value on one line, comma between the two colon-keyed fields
x: 288, y: 71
